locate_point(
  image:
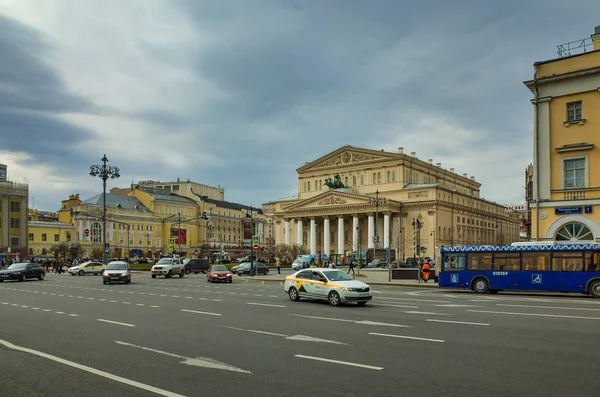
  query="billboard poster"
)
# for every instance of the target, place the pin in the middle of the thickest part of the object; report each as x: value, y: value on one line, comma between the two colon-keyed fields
x: 180, y: 235
x: 247, y: 231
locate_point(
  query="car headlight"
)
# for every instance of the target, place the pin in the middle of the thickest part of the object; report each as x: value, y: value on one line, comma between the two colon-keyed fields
x: 124, y: 274
x: 349, y: 289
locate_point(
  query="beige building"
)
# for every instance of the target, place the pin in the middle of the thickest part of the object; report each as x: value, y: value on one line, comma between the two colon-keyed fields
x: 14, y: 199
x: 186, y: 188
x: 384, y: 193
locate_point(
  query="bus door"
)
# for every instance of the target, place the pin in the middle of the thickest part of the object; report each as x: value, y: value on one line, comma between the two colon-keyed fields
x: 568, y: 268
x: 506, y: 272
x: 453, y: 271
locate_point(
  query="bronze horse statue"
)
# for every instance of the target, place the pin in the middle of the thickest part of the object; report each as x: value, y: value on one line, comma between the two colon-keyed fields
x: 335, y: 183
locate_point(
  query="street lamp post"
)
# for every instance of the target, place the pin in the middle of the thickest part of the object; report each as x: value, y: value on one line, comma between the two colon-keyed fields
x: 376, y: 201
x: 104, y: 172
x: 249, y: 215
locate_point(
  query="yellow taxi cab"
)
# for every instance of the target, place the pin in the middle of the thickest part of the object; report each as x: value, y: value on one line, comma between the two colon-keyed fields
x: 331, y: 285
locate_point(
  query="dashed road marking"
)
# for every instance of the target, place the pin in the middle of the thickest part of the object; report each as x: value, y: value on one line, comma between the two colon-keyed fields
x: 408, y: 337
x: 348, y: 363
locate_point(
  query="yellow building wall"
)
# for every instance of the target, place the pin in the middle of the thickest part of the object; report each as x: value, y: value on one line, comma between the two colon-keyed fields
x: 37, y: 242
x: 569, y: 64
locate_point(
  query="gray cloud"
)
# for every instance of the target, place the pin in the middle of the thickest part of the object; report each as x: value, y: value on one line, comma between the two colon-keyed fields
x: 297, y: 79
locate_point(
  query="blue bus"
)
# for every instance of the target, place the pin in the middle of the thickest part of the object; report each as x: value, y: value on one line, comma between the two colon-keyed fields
x: 523, y: 266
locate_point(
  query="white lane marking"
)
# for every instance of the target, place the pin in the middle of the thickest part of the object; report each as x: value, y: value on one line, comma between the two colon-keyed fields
x: 255, y: 331
x: 272, y: 296
x: 189, y: 297
x: 102, y: 300
x: 162, y: 295
x: 244, y: 294
x: 198, y: 312
x: 263, y: 304
x: 5, y: 303
x: 24, y: 306
x: 35, y: 308
x: 116, y: 322
x: 549, y: 307
x: 175, y: 296
x: 452, y: 305
x: 219, y: 292
x: 257, y: 295
x: 131, y: 292
x: 152, y: 294
x: 74, y: 315
x: 534, y: 314
x: 413, y: 300
x: 198, y: 362
x: 14, y: 304
x: 91, y: 298
x: 427, y: 313
x: 47, y: 310
x: 81, y: 297
x: 154, y: 306
x: 60, y: 295
x: 232, y: 293
x: 408, y: 337
x: 402, y: 306
x: 478, y: 300
x: 91, y: 370
x: 455, y: 322
x: 204, y: 299
x: 348, y: 363
x: 112, y: 301
x: 69, y: 296
x: 59, y: 312
x: 216, y: 300
x: 139, y: 304
x: 305, y: 338
x: 361, y: 322
x: 126, y: 303
x: 52, y: 294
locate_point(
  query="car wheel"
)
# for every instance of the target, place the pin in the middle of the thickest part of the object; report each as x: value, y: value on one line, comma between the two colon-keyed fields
x: 187, y: 271
x: 41, y: 277
x: 480, y: 285
x: 181, y: 273
x: 170, y: 274
x: 80, y: 272
x: 108, y: 282
x: 293, y: 294
x: 104, y: 282
x: 154, y: 276
x: 595, y: 289
x: 266, y: 272
x: 361, y: 303
x: 23, y: 277
x: 72, y: 274
x: 334, y: 298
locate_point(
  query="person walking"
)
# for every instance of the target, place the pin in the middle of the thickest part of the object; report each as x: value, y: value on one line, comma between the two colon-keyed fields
x: 426, y: 268
x: 278, y: 266
x: 351, y: 267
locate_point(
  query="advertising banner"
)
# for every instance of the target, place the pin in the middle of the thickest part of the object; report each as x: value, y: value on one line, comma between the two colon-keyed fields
x: 247, y: 231
x: 180, y: 236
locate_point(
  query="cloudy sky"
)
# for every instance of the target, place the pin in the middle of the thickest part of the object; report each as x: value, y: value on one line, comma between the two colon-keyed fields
x: 239, y: 93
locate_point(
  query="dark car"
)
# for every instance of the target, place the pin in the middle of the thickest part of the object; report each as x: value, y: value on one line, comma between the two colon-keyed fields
x: 116, y: 271
x: 196, y: 266
x: 22, y: 271
x: 259, y: 268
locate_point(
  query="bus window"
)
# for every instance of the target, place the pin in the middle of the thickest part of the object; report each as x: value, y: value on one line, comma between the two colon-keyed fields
x: 481, y: 261
x: 592, y: 262
x: 505, y: 261
x: 567, y: 262
x: 536, y: 261
x: 454, y: 262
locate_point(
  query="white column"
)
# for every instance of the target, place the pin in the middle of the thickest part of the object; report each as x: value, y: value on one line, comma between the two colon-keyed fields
x: 326, y: 237
x: 341, y: 236
x: 286, y: 232
x: 355, y: 234
x: 371, y: 231
x: 386, y: 230
x: 79, y: 224
x: 313, y: 236
x: 299, y: 237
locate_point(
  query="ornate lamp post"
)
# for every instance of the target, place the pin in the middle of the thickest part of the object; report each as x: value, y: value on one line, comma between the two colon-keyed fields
x: 249, y: 216
x: 104, y: 172
x: 376, y: 201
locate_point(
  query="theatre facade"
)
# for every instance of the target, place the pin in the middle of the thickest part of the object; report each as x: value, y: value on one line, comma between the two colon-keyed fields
x: 355, y: 198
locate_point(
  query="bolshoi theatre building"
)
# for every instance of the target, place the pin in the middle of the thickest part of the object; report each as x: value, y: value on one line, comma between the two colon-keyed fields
x: 354, y: 199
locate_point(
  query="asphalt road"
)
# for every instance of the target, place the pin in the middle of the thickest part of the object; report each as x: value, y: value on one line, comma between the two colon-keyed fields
x: 73, y: 336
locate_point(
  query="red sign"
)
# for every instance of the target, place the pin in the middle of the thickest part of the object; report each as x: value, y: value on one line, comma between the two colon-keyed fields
x: 86, y: 232
x: 180, y: 235
x: 255, y: 248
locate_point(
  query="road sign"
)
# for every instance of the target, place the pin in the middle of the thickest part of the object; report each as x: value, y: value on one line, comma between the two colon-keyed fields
x: 86, y: 232
x: 171, y: 248
x: 255, y: 248
x: 172, y: 240
x: 256, y: 239
x: 106, y: 246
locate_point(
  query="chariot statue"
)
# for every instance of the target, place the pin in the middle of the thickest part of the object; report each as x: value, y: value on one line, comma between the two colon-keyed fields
x: 335, y: 183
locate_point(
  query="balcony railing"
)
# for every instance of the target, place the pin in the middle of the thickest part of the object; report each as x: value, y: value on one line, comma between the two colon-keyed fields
x: 574, y: 195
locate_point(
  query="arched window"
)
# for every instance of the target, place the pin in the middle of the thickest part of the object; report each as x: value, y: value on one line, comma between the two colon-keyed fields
x: 346, y: 181
x: 308, y: 186
x: 389, y: 176
x: 362, y: 179
x: 393, y: 176
x: 96, y: 232
x: 379, y: 177
x: 354, y: 181
x: 574, y: 231
x: 374, y: 178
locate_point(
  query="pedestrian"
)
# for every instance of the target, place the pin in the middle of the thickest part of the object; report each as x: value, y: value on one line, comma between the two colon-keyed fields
x: 426, y: 268
x: 351, y: 267
x: 278, y: 266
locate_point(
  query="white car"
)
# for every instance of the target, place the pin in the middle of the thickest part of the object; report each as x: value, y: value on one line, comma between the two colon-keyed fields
x: 297, y: 264
x: 331, y: 285
x: 87, y: 268
x: 168, y: 267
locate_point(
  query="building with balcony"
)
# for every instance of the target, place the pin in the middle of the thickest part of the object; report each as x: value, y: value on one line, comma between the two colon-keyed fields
x: 384, y: 194
x: 565, y: 203
x: 14, y: 199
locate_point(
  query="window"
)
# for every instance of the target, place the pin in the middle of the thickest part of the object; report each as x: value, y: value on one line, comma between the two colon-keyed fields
x: 454, y: 262
x: 574, y: 111
x: 574, y: 172
x: 15, y: 223
x: 30, y: 236
x: 96, y: 234
x: 14, y: 242
x: 44, y: 237
x: 15, y: 206
x: 480, y: 261
x: 346, y: 181
x: 354, y: 181
x: 574, y: 231
x: 379, y: 177
x: 393, y: 176
x: 68, y: 235
x: 308, y: 186
x: 374, y: 178
x: 389, y: 176
x: 56, y: 237
x: 362, y: 179
x: 536, y: 261
x: 158, y: 208
x: 166, y: 210
x: 567, y: 262
x: 505, y: 261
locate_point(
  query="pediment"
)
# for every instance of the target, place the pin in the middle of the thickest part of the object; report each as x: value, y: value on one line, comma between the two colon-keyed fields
x: 345, y: 156
x: 330, y: 198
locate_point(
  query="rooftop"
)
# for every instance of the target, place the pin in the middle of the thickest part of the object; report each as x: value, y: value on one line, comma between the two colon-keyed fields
x: 163, y: 194
x: 232, y: 206
x: 116, y: 201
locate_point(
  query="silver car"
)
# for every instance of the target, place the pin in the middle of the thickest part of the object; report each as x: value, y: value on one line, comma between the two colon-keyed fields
x: 117, y: 271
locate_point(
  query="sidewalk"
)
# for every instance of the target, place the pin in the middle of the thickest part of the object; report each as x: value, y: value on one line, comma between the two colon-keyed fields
x: 369, y: 276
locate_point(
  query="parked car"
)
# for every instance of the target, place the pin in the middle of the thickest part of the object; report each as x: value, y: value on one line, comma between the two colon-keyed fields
x: 117, y: 271
x: 168, y: 267
x: 259, y: 268
x: 377, y: 263
x: 218, y: 273
x: 87, y: 268
x: 334, y: 286
x: 234, y: 269
x: 297, y: 264
x: 22, y: 271
x: 196, y: 266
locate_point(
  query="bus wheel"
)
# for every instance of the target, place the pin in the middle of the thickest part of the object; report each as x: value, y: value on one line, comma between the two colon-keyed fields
x: 595, y: 289
x: 480, y: 285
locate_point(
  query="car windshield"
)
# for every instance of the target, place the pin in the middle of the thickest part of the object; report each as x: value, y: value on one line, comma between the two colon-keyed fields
x: 165, y: 261
x: 18, y: 266
x: 337, y: 276
x: 220, y: 268
x: 116, y: 266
